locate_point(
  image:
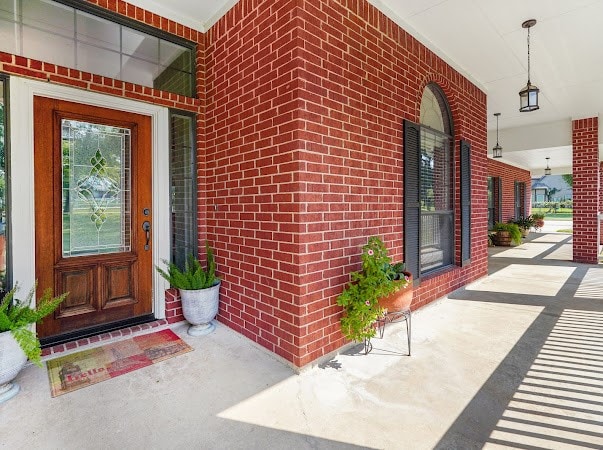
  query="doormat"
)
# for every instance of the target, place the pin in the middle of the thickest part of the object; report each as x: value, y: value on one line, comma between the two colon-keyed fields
x: 71, y: 372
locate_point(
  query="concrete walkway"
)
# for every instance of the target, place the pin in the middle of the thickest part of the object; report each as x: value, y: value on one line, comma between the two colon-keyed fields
x: 552, y: 226
x: 512, y: 361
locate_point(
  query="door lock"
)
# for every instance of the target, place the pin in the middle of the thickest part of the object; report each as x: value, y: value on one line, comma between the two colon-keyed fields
x: 146, y: 227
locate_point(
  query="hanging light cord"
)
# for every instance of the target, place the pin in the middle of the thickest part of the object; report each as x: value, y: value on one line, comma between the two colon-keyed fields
x: 529, y: 55
x: 497, y: 131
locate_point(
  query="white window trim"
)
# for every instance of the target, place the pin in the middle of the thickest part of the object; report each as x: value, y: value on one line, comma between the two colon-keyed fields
x: 22, y: 220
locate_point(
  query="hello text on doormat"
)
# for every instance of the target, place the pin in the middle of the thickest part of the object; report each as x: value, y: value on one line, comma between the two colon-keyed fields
x: 71, y: 372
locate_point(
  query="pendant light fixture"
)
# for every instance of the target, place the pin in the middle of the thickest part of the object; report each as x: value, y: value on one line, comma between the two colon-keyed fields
x: 547, y: 170
x: 528, y: 96
x: 497, y: 149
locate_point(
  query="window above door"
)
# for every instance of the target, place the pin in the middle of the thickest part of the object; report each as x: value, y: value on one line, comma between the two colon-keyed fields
x: 81, y: 36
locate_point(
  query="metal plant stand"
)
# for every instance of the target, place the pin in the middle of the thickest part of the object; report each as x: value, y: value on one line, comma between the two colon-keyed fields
x: 391, y: 317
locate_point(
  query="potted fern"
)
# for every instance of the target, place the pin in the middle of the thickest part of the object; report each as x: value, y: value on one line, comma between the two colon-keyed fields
x: 506, y: 234
x: 18, y: 342
x: 199, y: 291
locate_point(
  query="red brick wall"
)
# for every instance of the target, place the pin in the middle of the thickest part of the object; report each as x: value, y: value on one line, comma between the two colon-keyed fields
x: 600, y: 203
x: 585, y: 142
x: 252, y: 177
x: 305, y: 103
x: 300, y: 108
x: 509, y: 175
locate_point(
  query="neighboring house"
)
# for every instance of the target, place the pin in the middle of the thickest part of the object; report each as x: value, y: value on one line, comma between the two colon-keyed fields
x: 550, y: 188
x: 540, y: 191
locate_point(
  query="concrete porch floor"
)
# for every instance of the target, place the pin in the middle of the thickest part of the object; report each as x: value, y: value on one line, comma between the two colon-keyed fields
x: 512, y: 361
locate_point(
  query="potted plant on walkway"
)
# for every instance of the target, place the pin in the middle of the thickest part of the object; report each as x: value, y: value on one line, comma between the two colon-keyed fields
x: 538, y: 220
x: 524, y: 223
x: 506, y: 234
x: 18, y: 342
x: 378, y: 287
x: 199, y: 291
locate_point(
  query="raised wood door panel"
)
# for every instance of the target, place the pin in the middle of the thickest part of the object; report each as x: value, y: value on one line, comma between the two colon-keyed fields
x: 107, y: 192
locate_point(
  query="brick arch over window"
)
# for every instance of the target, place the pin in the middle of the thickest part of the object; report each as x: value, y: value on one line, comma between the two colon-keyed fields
x: 432, y: 92
x: 443, y: 86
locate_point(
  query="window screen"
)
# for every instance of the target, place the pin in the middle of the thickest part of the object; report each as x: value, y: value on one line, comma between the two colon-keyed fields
x: 183, y: 191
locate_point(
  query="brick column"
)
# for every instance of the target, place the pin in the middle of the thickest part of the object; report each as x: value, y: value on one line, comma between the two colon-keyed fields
x: 586, y: 171
x: 600, y: 202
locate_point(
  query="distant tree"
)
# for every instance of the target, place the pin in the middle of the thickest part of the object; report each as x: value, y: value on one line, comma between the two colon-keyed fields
x: 551, y: 192
x: 568, y: 178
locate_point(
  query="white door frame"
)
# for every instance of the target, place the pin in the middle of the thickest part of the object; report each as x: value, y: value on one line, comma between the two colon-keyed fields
x: 22, y: 216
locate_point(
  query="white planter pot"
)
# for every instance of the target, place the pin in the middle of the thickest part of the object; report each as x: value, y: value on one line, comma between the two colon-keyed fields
x: 12, y: 360
x: 200, y: 307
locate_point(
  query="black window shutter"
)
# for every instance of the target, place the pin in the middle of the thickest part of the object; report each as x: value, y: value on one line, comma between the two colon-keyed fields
x: 522, y: 199
x: 498, y: 199
x: 412, y: 204
x: 465, y: 203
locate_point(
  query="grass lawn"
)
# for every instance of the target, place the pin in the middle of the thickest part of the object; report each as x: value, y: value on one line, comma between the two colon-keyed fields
x: 561, y: 214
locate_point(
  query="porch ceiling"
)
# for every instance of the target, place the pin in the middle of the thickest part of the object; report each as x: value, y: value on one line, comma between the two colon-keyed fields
x: 484, y: 40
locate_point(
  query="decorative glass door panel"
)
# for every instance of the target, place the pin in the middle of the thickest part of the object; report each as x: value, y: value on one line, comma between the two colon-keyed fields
x: 96, y: 188
x: 93, y: 202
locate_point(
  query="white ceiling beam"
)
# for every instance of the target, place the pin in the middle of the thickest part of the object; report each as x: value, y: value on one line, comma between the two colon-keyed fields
x: 544, y: 135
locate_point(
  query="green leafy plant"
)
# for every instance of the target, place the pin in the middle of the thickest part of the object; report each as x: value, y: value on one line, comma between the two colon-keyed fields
x: 193, y: 276
x: 491, y: 237
x: 511, y: 228
x: 360, y: 299
x: 396, y: 271
x: 524, y: 222
x: 17, y: 317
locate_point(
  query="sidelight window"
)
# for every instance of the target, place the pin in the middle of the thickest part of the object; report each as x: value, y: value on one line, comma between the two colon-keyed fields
x: 4, y: 231
x: 183, y: 188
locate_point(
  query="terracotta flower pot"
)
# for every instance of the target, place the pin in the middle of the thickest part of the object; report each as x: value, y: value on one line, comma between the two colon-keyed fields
x: 399, y: 300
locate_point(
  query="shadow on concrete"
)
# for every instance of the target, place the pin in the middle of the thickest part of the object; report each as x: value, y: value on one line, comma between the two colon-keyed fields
x: 548, y: 391
x: 206, y: 399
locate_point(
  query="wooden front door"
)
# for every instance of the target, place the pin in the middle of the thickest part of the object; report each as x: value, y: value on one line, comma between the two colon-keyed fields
x: 93, y: 197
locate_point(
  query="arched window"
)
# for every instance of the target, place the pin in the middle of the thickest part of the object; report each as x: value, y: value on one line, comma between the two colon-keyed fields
x: 435, y: 112
x: 436, y: 182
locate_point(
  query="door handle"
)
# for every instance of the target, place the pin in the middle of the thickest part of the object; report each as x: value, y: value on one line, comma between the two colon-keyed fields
x: 146, y: 227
